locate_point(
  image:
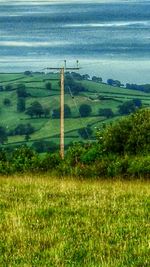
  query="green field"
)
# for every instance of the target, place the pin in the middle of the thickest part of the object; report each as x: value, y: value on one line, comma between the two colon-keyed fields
x: 46, y: 221
x: 48, y: 128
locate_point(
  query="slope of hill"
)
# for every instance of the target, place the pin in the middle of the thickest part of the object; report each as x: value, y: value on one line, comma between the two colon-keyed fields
x: 96, y: 95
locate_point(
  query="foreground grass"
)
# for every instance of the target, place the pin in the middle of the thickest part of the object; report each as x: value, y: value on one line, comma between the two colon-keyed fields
x: 50, y: 222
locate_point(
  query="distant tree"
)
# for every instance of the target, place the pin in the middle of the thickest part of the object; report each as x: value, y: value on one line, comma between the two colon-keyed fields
x: 85, y: 77
x: 8, y: 87
x: 56, y: 113
x: 85, y: 110
x: 117, y: 83
x: 46, y: 112
x: 48, y: 86
x: 24, y: 129
x: 73, y: 86
x: 21, y: 104
x: 7, y: 102
x: 35, y: 109
x: 137, y: 102
x: 97, y: 79
x: 3, y: 135
x: 67, y: 112
x: 21, y: 90
x: 28, y: 73
x: 114, y: 82
x: 77, y: 76
x: 110, y: 81
x: 127, y: 108
x: 85, y: 132
x: 106, y: 112
x: 1, y: 88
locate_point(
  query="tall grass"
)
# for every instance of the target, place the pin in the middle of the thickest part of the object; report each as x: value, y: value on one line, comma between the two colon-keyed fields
x: 51, y: 222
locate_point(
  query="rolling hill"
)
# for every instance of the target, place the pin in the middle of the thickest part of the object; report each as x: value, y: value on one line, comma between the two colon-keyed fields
x: 96, y: 95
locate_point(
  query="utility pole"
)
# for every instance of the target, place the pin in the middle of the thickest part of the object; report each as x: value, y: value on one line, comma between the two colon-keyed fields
x: 62, y: 86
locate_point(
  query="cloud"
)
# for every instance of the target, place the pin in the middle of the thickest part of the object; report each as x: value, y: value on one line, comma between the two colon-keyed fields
x: 42, y: 2
x: 33, y: 44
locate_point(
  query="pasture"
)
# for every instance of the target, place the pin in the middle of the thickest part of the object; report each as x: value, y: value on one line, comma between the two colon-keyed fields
x: 46, y: 221
x: 49, y: 128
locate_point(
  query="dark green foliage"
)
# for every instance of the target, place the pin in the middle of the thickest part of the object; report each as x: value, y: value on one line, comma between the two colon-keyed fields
x: 3, y: 135
x: 21, y: 90
x: 139, y: 166
x: 106, y: 112
x: 128, y: 135
x: 23, y: 129
x: 74, y: 87
x: 23, y: 159
x: 145, y: 87
x: 46, y: 112
x: 8, y: 87
x: 67, y: 112
x: 85, y: 77
x: 50, y: 162
x: 7, y: 102
x: 28, y: 73
x: 35, y: 109
x: 48, y: 86
x: 85, y: 110
x: 97, y: 79
x: 127, y: 107
x: 85, y: 132
x: 44, y: 146
x: 137, y: 102
x: 21, y: 104
x: 114, y: 82
x: 1, y: 88
x: 77, y: 76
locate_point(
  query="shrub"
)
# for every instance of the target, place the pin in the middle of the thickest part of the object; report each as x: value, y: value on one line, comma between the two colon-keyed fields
x: 139, y: 166
x: 50, y: 162
x: 128, y: 135
x: 23, y: 159
x: 85, y: 132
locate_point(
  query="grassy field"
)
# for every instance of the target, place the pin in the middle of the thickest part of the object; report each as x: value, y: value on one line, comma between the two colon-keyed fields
x: 49, y: 128
x: 52, y: 222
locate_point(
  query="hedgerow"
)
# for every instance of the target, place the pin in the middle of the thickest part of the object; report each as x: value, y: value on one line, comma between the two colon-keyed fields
x: 122, y: 149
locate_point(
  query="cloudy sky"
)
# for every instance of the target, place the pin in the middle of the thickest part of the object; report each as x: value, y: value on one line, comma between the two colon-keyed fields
x: 55, y: 1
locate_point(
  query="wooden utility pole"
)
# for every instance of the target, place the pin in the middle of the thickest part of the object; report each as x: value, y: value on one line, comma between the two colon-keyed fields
x: 62, y: 113
x: 62, y: 86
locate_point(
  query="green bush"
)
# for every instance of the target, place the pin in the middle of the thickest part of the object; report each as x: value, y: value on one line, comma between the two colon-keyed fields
x: 50, y: 162
x: 23, y: 159
x: 129, y: 135
x: 139, y: 166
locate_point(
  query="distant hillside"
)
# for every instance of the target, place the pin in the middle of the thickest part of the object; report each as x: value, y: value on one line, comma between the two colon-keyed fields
x: 103, y: 99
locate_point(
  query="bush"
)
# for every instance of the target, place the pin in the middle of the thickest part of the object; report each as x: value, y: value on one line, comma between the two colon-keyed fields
x: 23, y: 159
x: 128, y: 135
x: 50, y: 162
x: 85, y: 132
x: 44, y: 146
x: 139, y: 166
x: 85, y: 110
x: 106, y: 112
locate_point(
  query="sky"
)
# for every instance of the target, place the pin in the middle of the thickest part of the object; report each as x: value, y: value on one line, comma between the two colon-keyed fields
x: 55, y: 1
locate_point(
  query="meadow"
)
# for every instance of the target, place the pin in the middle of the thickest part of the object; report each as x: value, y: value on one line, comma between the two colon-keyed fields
x: 46, y: 221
